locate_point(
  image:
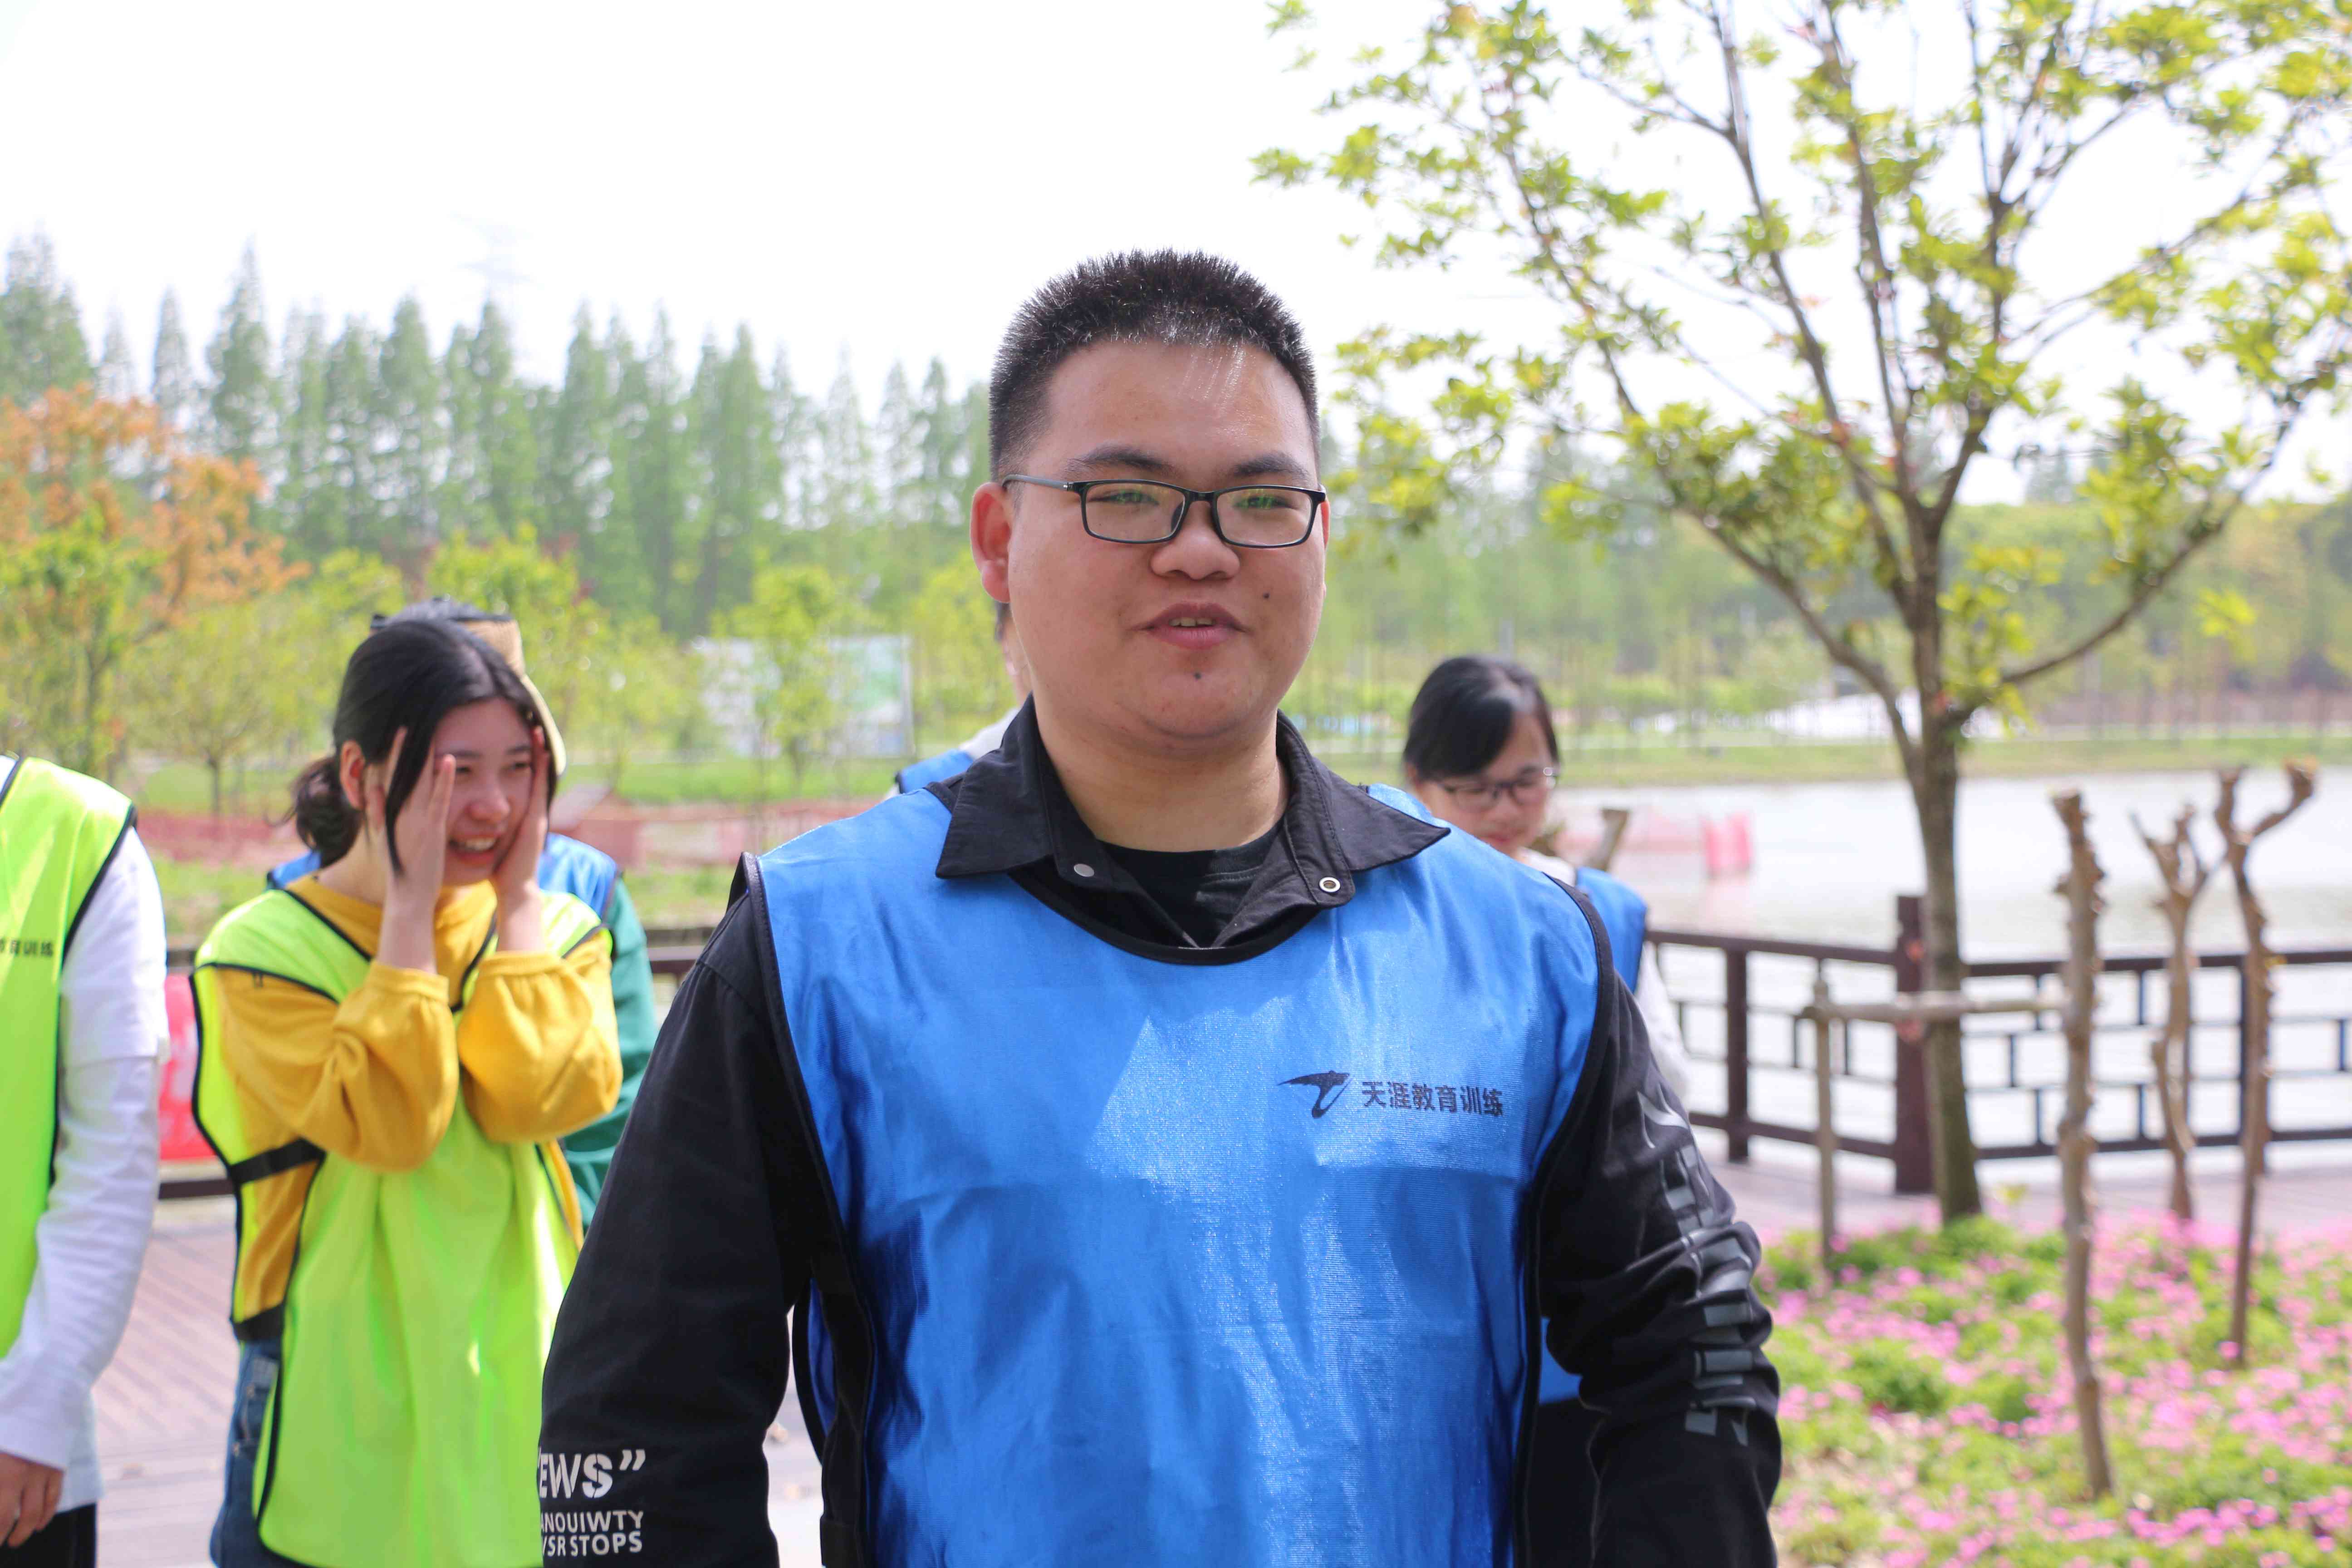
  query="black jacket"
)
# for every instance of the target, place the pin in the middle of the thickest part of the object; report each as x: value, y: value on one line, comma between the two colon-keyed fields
x: 674, y: 1345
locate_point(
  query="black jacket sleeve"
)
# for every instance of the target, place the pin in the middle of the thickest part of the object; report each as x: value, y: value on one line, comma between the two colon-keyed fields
x: 1647, y: 1278
x: 670, y: 1353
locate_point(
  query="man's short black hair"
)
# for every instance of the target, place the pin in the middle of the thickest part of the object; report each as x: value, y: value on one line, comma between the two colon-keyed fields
x: 1137, y: 297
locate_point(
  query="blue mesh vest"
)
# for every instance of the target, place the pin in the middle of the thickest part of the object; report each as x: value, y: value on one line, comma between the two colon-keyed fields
x: 1150, y: 1261
x: 931, y: 770
x: 1625, y: 916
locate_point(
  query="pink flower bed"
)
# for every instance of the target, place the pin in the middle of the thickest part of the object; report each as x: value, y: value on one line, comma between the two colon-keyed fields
x: 1928, y: 1417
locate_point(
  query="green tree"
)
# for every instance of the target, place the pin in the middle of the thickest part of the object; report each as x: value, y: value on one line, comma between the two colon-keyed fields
x: 94, y: 567
x: 412, y: 439
x: 946, y: 479
x: 899, y: 449
x: 491, y: 483
x: 306, y: 508
x: 794, y: 422
x: 41, y: 341
x: 241, y: 413
x: 351, y: 508
x: 118, y: 374
x: 633, y: 699
x: 172, y: 383
x: 653, y: 481
x: 790, y: 623
x: 328, y: 611
x: 576, y: 475
x: 739, y: 500
x: 177, y: 702
x: 844, y: 490
x: 1921, y: 198
x: 563, y: 630
x: 959, y: 672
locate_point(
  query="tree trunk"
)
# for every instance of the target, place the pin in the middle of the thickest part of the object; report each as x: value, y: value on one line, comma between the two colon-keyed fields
x: 2184, y: 873
x: 1936, y: 790
x: 1825, y: 1130
x: 2081, y: 887
x: 213, y: 766
x: 2170, y: 1054
x: 1613, y: 819
x: 2254, y: 1135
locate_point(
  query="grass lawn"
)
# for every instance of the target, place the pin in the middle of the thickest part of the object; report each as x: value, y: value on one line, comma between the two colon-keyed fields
x: 1927, y: 1417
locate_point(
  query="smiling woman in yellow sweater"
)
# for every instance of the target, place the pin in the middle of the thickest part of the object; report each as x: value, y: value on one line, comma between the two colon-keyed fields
x: 390, y: 1048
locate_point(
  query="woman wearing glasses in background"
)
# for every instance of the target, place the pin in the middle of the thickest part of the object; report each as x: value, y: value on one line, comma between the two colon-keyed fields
x: 1481, y: 753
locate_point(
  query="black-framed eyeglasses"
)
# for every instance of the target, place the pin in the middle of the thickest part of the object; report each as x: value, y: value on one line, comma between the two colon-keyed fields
x: 1145, y: 511
x: 1528, y: 788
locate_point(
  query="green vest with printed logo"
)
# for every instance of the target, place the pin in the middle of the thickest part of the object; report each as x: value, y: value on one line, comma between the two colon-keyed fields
x: 403, y: 1430
x: 58, y: 832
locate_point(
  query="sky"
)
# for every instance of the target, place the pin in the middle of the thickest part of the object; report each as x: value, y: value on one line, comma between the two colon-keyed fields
x: 888, y: 181
x: 891, y: 179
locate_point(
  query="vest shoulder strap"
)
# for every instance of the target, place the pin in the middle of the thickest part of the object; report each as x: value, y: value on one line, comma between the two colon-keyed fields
x: 278, y: 934
x: 80, y: 821
x: 44, y: 786
x: 570, y: 922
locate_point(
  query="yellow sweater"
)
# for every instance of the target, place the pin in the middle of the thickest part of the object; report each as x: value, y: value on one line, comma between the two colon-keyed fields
x: 376, y: 1077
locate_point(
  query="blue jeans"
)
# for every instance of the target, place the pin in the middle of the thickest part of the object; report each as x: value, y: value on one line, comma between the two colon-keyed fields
x: 237, y: 1535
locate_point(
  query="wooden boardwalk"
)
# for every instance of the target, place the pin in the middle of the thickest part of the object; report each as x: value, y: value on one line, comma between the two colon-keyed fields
x: 163, y: 1405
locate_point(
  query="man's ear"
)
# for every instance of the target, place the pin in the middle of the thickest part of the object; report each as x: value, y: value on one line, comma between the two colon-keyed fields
x: 991, y: 539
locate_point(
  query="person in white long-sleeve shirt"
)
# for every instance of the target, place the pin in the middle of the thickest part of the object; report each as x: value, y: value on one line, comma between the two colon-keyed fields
x: 85, y: 947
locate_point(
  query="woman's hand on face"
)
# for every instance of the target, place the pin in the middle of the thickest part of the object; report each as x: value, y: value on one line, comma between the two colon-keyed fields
x: 516, y: 879
x: 412, y: 888
x: 422, y: 832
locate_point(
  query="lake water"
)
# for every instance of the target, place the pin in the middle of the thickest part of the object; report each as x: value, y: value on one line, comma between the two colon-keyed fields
x: 1829, y: 860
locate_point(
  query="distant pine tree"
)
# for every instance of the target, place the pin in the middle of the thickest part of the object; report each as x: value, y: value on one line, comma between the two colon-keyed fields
x: 575, y: 476
x: 172, y: 382
x: 306, y: 506
x: 413, y: 439
x: 240, y: 403
x: 505, y: 436
x: 41, y: 341
x: 741, y: 468
x: 118, y: 374
x: 898, y: 451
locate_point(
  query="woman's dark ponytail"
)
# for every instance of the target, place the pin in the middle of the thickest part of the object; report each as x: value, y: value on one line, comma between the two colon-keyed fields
x: 323, y: 818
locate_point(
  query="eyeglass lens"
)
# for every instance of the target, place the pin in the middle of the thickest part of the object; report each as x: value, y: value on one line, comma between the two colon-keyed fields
x: 1526, y: 787
x: 1140, y: 512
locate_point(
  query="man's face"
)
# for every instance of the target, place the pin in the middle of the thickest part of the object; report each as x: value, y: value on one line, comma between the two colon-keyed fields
x: 1180, y: 646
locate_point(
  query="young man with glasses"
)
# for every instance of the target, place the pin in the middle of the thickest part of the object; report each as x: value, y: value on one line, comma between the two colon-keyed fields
x: 1183, y: 1144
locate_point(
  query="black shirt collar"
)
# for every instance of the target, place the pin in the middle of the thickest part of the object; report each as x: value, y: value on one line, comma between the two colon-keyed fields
x: 1009, y: 810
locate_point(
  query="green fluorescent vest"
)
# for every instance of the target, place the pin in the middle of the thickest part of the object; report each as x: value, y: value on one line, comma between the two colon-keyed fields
x: 403, y: 1431
x: 58, y: 833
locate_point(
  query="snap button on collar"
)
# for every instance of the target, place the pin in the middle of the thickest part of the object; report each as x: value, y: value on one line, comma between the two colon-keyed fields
x: 1329, y: 884
x: 1083, y: 870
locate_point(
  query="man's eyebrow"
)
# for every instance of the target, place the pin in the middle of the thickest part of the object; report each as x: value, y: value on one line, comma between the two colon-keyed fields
x: 1272, y: 466
x: 1114, y: 456
x: 1135, y: 459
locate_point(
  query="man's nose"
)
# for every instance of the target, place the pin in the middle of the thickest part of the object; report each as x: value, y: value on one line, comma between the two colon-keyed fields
x: 1196, y: 550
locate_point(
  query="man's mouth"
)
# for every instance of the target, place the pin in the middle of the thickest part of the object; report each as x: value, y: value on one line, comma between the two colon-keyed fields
x: 1194, y: 627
